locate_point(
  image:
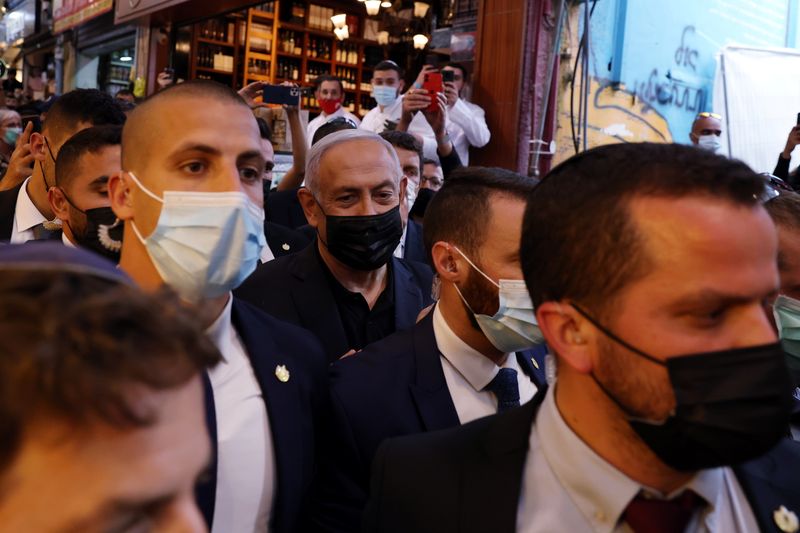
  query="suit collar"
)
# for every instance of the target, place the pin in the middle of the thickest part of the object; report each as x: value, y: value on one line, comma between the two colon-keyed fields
x: 408, y: 299
x: 283, y: 401
x: 430, y: 392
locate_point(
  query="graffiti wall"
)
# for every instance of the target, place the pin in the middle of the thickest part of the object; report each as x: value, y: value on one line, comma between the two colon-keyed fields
x: 652, y: 63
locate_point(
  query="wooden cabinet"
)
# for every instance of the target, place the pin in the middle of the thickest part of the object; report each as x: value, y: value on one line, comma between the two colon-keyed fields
x: 293, y: 42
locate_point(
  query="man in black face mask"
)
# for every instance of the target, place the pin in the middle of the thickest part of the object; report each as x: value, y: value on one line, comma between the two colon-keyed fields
x: 80, y: 196
x: 347, y: 288
x: 648, y: 266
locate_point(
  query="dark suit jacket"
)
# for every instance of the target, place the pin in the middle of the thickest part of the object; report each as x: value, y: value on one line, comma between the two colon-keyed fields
x: 468, y: 479
x: 296, y: 289
x: 283, y: 207
x: 294, y: 409
x: 393, y: 387
x: 8, y: 207
x: 414, y: 246
x: 284, y: 241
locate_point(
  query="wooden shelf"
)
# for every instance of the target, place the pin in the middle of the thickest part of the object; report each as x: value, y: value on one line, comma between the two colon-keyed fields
x: 213, y: 71
x: 263, y: 14
x: 215, y: 43
x: 258, y: 33
x: 293, y: 56
x: 317, y: 60
x: 260, y: 55
x: 320, y: 33
x: 290, y: 26
x: 257, y: 77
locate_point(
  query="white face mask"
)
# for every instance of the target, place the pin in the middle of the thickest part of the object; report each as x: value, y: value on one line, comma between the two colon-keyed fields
x: 709, y: 142
x: 205, y: 243
x: 411, y: 192
x: 513, y: 327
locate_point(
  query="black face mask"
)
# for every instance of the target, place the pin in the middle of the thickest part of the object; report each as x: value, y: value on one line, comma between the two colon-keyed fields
x: 364, y: 242
x: 102, y: 232
x: 731, y: 405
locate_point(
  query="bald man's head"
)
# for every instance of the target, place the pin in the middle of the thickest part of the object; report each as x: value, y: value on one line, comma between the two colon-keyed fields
x: 147, y: 122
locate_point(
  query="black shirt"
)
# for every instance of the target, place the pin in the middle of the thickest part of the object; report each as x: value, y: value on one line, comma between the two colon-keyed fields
x: 363, y: 325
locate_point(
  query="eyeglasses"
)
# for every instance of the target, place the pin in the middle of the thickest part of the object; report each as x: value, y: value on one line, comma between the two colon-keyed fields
x: 774, y: 186
x: 706, y: 114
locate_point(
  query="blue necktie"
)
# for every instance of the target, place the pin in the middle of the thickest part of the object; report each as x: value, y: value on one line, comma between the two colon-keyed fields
x: 505, y: 387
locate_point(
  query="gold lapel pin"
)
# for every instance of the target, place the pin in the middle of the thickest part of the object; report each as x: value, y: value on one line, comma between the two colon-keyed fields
x: 285, y: 246
x: 786, y: 520
x: 282, y: 373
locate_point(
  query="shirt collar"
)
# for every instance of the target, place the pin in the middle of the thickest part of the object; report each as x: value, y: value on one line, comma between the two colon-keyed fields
x: 66, y: 241
x: 573, y: 462
x: 26, y: 214
x: 475, y: 367
x: 220, y: 330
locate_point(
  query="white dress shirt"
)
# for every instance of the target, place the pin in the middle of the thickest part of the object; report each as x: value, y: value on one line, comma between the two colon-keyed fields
x: 400, y: 251
x: 467, y: 372
x: 566, y: 486
x: 375, y: 120
x: 26, y: 216
x: 266, y: 254
x: 65, y: 240
x: 466, y: 124
x: 245, y: 457
x: 322, y: 118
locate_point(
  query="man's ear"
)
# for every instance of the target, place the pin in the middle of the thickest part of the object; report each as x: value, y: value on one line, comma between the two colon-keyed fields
x: 403, y: 200
x: 309, y: 205
x: 119, y: 192
x: 448, y: 263
x: 58, y: 203
x: 568, y: 334
x: 400, y: 86
x: 38, y: 148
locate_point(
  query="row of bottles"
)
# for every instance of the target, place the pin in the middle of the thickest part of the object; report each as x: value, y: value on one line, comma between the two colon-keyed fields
x: 217, y: 30
x: 347, y: 53
x: 319, y: 48
x: 259, y: 67
x: 290, y: 42
x: 267, y: 7
x: 319, y: 18
x: 288, y: 69
x: 348, y: 77
x: 116, y: 72
x: 298, y: 12
x: 212, y: 57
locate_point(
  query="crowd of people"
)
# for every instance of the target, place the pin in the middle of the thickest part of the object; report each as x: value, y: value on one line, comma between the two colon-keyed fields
x: 390, y: 340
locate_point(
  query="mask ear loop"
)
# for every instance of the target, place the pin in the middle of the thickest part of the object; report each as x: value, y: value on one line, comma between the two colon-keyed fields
x: 148, y: 193
x: 105, y: 238
x: 468, y: 260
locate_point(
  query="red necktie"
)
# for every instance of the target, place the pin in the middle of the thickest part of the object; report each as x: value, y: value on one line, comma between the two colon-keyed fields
x: 650, y: 515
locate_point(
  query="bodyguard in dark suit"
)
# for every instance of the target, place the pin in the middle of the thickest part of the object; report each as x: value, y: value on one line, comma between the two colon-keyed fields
x: 193, y: 220
x: 455, y: 365
x: 670, y: 407
x: 283, y: 208
x: 8, y: 202
x: 347, y: 288
x: 414, y: 247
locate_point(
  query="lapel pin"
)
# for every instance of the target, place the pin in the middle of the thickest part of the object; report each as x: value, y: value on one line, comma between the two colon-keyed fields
x: 282, y: 373
x: 285, y: 246
x: 535, y: 364
x: 786, y: 520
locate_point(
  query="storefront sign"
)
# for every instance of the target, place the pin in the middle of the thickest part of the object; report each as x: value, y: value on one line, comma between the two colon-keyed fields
x: 70, y: 13
x: 128, y: 10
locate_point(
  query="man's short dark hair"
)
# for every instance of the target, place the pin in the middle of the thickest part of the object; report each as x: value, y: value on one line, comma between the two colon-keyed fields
x: 429, y: 161
x: 457, y: 213
x: 81, y: 105
x: 327, y: 77
x: 785, y: 213
x: 388, y: 64
x: 75, y: 347
x: 579, y: 242
x: 263, y: 129
x: 406, y: 141
x: 462, y: 68
x: 90, y: 140
x: 332, y: 126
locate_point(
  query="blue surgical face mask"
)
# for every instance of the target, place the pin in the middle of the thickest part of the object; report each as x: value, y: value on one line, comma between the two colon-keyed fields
x: 384, y: 95
x: 513, y: 327
x: 204, y: 243
x: 11, y: 136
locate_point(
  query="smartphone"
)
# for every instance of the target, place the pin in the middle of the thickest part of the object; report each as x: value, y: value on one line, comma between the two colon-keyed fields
x: 448, y: 76
x: 281, y: 94
x: 433, y: 84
